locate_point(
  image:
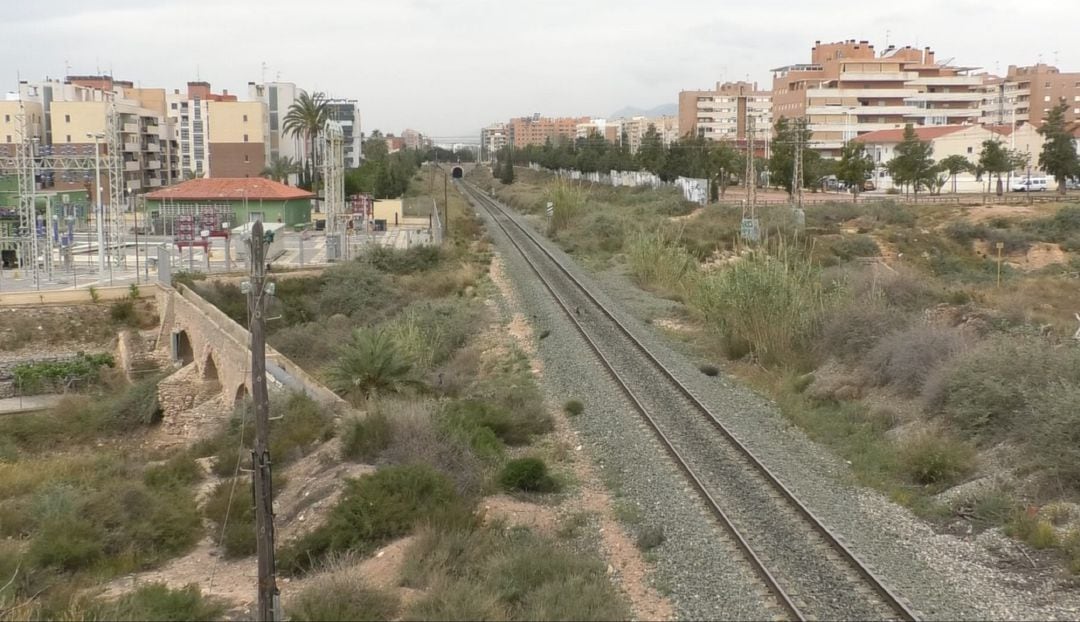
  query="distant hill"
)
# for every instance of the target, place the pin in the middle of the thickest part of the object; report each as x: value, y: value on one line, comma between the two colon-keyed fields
x: 658, y: 111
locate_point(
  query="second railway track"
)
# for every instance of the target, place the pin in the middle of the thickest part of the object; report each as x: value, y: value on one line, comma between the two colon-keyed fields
x: 808, y: 570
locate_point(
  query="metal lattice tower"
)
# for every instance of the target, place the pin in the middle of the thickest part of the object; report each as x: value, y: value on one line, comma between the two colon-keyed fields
x: 333, y: 167
x: 114, y: 166
x: 797, y: 168
x: 24, y: 165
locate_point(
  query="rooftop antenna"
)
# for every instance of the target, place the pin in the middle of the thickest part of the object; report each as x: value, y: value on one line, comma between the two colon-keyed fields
x: 264, y: 72
x: 67, y: 68
x: 888, y: 33
x: 1055, y: 57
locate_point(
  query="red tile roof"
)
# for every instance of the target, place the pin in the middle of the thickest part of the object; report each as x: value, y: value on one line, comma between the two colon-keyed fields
x: 252, y: 188
x: 924, y: 133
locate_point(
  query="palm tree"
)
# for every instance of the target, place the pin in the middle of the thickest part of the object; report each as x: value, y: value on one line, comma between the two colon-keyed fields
x: 280, y: 168
x: 305, y: 119
x: 369, y: 364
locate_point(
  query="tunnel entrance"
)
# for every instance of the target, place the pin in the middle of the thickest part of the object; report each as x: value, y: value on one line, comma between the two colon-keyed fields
x: 181, y: 348
x: 457, y: 172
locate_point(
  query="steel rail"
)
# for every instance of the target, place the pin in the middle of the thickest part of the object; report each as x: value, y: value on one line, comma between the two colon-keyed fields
x: 883, y: 591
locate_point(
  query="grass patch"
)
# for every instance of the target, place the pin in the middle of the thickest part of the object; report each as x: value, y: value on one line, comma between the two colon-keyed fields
x: 364, y: 438
x: 932, y: 458
x: 375, y: 509
x: 340, y: 596
x: 156, y: 601
x: 494, y: 573
x: 573, y: 407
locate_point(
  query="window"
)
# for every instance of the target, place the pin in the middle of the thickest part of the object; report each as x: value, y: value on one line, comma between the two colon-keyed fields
x: 246, y: 160
x: 971, y: 150
x: 67, y: 118
x: 68, y: 138
x: 9, y: 138
x: 245, y: 118
x: 173, y: 106
x: 1046, y: 98
x: 245, y: 138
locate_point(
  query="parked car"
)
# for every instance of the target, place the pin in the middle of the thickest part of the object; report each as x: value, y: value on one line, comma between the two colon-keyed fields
x: 1030, y: 184
x: 1072, y: 183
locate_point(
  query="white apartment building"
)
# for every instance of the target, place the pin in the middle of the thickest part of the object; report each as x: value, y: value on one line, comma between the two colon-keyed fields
x: 278, y: 97
x: 634, y: 129
x: 493, y: 139
x: 346, y: 112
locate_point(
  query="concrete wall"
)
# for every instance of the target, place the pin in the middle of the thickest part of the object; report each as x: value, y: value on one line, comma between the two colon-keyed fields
x: 73, y: 296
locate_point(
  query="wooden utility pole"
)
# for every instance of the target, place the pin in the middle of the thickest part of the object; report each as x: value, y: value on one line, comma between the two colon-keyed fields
x: 260, y: 455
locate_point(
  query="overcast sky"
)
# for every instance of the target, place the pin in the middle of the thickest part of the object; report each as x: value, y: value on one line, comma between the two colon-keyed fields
x: 447, y: 67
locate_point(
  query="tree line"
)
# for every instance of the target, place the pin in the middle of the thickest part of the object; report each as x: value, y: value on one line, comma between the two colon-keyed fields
x: 723, y: 163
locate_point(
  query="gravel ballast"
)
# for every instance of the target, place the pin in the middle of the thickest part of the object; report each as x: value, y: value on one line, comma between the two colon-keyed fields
x: 941, y: 576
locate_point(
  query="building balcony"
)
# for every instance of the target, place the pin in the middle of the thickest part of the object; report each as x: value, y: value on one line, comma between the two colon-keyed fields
x: 873, y: 76
x: 131, y: 147
x: 853, y: 95
x: 153, y: 165
x: 947, y: 81
x: 153, y: 183
x: 133, y: 184
x: 152, y: 147
x: 132, y: 165
x: 945, y: 97
x: 130, y: 128
x: 859, y: 111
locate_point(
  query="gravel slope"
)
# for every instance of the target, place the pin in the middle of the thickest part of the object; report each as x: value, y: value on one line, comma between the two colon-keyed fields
x: 943, y: 576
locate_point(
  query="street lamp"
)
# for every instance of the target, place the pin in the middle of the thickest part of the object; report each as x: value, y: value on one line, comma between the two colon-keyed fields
x: 100, y: 214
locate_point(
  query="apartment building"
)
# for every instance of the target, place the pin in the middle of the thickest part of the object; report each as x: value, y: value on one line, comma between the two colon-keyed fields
x: 492, y: 139
x: 237, y: 142
x: 537, y: 130
x: 79, y: 107
x: 278, y: 97
x: 346, y: 112
x: 18, y: 118
x: 848, y: 89
x: 634, y: 130
x: 1026, y: 94
x: 611, y: 131
x: 723, y: 113
x: 412, y: 139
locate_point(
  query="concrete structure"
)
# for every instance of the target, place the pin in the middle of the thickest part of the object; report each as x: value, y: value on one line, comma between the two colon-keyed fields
x: 238, y: 200
x: 278, y: 97
x: 346, y: 113
x: 537, y: 130
x: 189, y: 114
x: 492, y: 139
x: 721, y: 114
x: 847, y: 89
x: 1026, y: 94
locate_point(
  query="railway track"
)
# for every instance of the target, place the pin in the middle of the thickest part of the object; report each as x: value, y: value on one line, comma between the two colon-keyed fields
x: 806, y: 567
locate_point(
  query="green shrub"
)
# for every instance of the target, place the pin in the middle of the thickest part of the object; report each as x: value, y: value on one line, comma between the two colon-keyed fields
x: 297, y: 423
x: 709, y: 370
x: 1052, y: 432
x: 364, y: 438
x: 138, y: 405
x: 428, y: 333
x: 51, y: 375
x: 231, y: 509
x: 527, y: 475
x: 122, y: 312
x: 156, y: 601
x: 180, y: 470
x: 511, y: 427
x: 568, y: 200
x: 1013, y: 241
x: 66, y: 543
x: 965, y: 231
x: 574, y: 407
x: 342, y: 597
x: 935, y: 459
x: 375, y: 509
x: 851, y: 246
x: 404, y: 261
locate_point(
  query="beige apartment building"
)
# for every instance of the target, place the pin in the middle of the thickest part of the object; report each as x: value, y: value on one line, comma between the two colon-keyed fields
x: 237, y: 138
x: 611, y: 131
x: 17, y: 119
x: 634, y: 129
x: 848, y: 89
x: 537, y: 130
x: 723, y: 113
x: 1026, y: 94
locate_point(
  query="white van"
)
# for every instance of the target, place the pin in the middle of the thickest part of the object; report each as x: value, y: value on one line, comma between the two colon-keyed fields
x: 1030, y: 184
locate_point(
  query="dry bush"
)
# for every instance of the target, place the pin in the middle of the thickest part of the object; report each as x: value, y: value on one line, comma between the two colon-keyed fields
x: 906, y: 359
x: 851, y: 331
x: 933, y: 457
x: 416, y: 438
